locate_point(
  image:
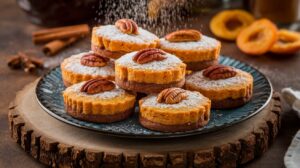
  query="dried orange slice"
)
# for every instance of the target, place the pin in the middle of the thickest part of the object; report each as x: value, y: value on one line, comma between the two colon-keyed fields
x: 288, y: 42
x: 257, y: 38
x: 228, y: 24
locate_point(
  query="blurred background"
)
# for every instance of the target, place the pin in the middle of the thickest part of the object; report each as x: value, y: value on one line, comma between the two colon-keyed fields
x: 150, y: 13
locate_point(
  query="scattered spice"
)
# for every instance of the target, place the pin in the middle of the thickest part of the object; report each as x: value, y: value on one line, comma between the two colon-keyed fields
x: 23, y: 61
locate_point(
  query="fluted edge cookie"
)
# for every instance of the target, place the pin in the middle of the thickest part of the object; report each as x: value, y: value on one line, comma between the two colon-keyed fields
x: 112, y: 40
x: 85, y: 66
x: 98, y: 100
x: 150, y: 73
x: 174, y: 110
x: 226, y: 86
x: 196, y: 50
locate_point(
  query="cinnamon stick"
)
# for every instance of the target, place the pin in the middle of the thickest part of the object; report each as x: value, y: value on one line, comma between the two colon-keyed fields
x: 60, y: 33
x: 58, y: 29
x: 55, y: 46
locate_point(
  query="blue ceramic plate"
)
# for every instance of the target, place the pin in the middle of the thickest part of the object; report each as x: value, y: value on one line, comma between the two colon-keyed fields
x: 49, y: 95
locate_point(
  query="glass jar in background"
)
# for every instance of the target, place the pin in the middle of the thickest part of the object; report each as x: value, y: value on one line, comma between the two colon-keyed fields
x: 204, y: 6
x: 59, y: 12
x: 279, y: 11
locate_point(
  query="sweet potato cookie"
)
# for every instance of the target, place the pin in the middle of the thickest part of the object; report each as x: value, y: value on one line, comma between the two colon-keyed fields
x: 194, y: 49
x: 149, y: 71
x: 98, y: 100
x: 125, y: 36
x: 85, y: 66
x: 174, y: 110
x: 225, y: 86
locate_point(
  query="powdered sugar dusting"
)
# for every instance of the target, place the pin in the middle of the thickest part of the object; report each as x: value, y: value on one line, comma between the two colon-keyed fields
x: 169, y: 63
x: 197, y: 79
x: 204, y: 43
x: 194, y: 99
x: 113, y: 33
x: 160, y: 16
x: 73, y: 64
x: 103, y: 95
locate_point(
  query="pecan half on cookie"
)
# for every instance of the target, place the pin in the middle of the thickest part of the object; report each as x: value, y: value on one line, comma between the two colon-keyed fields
x: 97, y: 85
x: 127, y: 26
x: 94, y: 60
x: 149, y: 55
x: 184, y: 36
x: 171, y: 96
x: 216, y: 72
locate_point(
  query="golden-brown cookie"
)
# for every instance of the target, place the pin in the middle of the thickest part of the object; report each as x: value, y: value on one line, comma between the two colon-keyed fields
x: 174, y: 110
x: 98, y: 100
x: 226, y: 86
x: 154, y: 71
x: 113, y: 41
x: 85, y: 66
x: 195, y: 50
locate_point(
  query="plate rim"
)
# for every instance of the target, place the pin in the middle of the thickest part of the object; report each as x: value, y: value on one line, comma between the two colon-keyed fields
x: 169, y: 135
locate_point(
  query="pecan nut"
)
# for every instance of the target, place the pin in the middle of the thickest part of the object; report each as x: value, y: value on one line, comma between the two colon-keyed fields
x: 216, y: 72
x: 171, y: 96
x: 97, y: 85
x: 149, y: 55
x: 93, y: 60
x: 184, y: 35
x: 127, y: 26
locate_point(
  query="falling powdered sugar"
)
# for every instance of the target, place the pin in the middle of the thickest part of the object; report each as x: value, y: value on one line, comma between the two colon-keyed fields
x: 204, y: 43
x: 113, y: 33
x: 103, y: 95
x: 168, y: 15
x: 73, y: 64
x: 194, y: 99
x: 170, y: 62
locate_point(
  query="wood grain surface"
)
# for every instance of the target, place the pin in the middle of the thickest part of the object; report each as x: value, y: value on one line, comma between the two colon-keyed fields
x: 54, y: 143
x: 15, y: 33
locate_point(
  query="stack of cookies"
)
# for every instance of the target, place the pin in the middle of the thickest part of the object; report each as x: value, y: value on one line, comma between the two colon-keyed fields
x: 127, y: 61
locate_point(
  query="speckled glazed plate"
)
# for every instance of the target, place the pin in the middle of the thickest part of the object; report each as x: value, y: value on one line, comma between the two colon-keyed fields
x: 49, y: 95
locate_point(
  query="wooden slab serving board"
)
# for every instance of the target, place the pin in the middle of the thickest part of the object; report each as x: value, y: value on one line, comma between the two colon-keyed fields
x: 58, y: 144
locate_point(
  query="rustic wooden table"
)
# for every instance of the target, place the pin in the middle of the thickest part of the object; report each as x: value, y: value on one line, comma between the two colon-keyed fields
x: 15, y: 33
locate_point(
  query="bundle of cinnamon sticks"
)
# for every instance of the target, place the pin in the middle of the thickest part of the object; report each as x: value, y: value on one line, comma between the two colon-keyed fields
x: 56, y: 39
